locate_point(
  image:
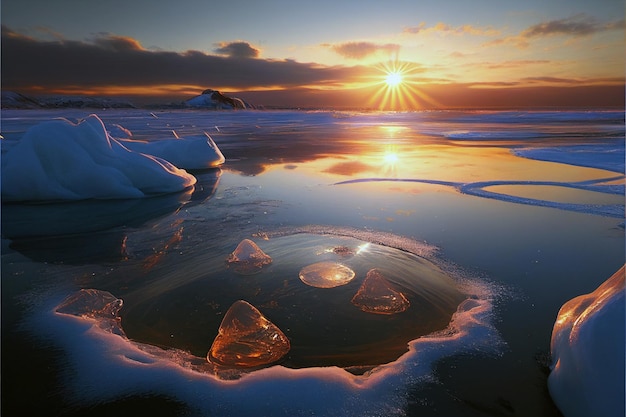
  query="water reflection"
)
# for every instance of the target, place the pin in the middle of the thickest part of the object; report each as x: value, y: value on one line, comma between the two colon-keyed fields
x: 183, y: 308
x: 92, y: 230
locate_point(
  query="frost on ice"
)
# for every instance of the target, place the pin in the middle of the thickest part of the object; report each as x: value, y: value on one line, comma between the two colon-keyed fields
x: 587, y: 372
x: 248, y: 258
x: 326, y: 274
x: 377, y: 296
x: 246, y: 339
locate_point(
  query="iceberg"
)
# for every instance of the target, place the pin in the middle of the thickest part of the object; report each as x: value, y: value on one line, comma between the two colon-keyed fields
x: 377, y: 296
x: 587, y: 370
x: 246, y: 339
x: 248, y: 258
x: 60, y: 160
x: 194, y: 153
x: 326, y: 274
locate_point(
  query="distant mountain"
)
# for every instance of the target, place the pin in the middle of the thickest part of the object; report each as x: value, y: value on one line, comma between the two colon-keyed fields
x: 13, y: 100
x: 209, y: 99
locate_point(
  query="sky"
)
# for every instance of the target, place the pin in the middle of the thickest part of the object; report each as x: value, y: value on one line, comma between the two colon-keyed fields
x: 449, y: 53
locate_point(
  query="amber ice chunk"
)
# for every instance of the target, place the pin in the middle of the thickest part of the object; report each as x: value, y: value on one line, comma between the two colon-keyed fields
x: 326, y: 274
x: 248, y: 258
x: 247, y: 339
x: 91, y: 303
x: 376, y: 295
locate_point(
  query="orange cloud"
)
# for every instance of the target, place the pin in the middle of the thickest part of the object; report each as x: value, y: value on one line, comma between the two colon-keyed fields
x: 443, y: 28
x: 237, y: 49
x: 118, y: 43
x: 360, y: 50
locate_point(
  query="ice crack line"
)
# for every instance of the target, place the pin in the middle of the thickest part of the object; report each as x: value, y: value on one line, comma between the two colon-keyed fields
x: 477, y: 189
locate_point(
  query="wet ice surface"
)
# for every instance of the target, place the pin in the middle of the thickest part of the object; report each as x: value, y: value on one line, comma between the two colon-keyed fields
x: 461, y: 348
x: 323, y: 326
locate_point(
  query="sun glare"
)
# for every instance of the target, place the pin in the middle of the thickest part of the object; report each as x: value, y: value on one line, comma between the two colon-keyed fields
x: 393, y: 79
x: 390, y: 158
x: 397, y: 87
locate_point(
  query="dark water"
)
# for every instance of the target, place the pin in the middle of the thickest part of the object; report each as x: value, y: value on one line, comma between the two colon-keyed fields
x: 533, y: 250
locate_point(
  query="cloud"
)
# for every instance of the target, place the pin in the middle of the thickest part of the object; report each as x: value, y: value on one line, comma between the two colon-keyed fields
x: 118, y: 43
x: 121, y: 61
x: 577, y: 26
x: 517, y: 63
x: 443, y: 28
x: 237, y: 49
x: 360, y: 50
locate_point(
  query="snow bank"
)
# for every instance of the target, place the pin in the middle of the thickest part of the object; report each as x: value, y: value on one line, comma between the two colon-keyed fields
x: 60, y: 160
x: 588, y: 351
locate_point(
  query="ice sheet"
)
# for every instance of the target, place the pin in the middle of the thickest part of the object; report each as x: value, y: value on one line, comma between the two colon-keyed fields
x: 262, y: 144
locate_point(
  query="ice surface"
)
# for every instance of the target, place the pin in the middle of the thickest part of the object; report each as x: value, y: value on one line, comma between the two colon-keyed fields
x: 105, y: 367
x: 377, y: 296
x: 247, y: 339
x: 60, y: 160
x: 199, y: 152
x: 91, y: 303
x: 326, y: 274
x: 587, y: 372
x: 248, y: 258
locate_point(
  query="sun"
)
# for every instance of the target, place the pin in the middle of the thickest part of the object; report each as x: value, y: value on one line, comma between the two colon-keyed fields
x: 393, y: 79
x: 398, y: 86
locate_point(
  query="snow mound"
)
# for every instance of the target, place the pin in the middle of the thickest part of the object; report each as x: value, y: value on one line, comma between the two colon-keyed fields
x: 60, y: 160
x: 587, y: 376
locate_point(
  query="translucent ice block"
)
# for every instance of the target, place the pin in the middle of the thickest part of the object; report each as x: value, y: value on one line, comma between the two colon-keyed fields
x: 248, y: 258
x: 247, y: 339
x: 326, y: 274
x: 91, y: 303
x: 377, y: 296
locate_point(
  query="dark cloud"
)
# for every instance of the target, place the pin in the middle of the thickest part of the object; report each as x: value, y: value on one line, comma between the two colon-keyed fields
x: 121, y: 61
x: 576, y: 26
x: 579, y: 25
x: 360, y: 50
x: 237, y: 50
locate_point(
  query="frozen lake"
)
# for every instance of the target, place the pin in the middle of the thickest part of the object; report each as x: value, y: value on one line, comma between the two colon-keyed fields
x: 517, y: 212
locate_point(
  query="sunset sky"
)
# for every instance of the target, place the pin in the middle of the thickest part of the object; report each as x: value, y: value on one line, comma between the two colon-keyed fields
x: 450, y: 53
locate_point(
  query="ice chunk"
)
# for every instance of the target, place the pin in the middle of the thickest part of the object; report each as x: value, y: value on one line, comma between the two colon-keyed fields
x: 194, y: 152
x: 326, y: 274
x: 60, y: 160
x: 377, y: 296
x: 91, y: 303
x: 248, y: 258
x: 587, y: 372
x: 247, y: 339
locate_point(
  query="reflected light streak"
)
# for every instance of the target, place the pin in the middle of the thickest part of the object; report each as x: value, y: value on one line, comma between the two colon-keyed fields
x: 362, y: 248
